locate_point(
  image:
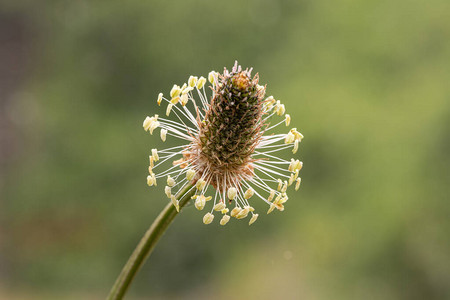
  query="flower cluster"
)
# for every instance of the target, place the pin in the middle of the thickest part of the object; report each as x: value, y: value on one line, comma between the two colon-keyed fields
x: 228, y: 149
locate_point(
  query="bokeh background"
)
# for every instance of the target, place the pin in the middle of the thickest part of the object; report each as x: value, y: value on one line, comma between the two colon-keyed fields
x: 366, y: 82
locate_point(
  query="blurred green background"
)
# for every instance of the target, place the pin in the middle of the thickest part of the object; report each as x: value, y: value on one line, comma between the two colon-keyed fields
x: 366, y: 82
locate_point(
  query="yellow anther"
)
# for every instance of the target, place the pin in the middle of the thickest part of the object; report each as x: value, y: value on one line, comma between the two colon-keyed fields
x: 201, y: 82
x: 175, y: 202
x: 163, y: 134
x: 284, y: 188
x: 297, y: 135
x: 283, y: 199
x: 190, y: 174
x: 150, y: 180
x: 225, y: 210
x: 170, y: 181
x: 176, y: 90
x: 200, y: 184
x: 151, y: 160
x: 175, y: 100
x: 219, y: 206
x: 155, y: 154
x: 160, y: 95
x: 185, y: 91
x: 297, y: 184
x: 280, y: 184
x: 291, y: 179
x: 298, y: 165
x: 272, y: 194
x: 253, y: 219
x: 192, y: 81
x: 290, y: 137
x: 212, y: 76
x: 279, y: 108
x: 294, y: 150
x: 271, y: 208
x: 208, y: 218
x: 200, y: 202
x: 169, y: 109
x: 168, y: 191
x: 267, y: 107
x: 151, y: 123
x: 184, y: 99
x: 280, y: 207
x: 278, y: 198
x: 243, y: 213
x: 288, y: 119
x: 147, y: 123
x: 249, y: 193
x: 154, y: 126
x: 291, y: 165
x: 270, y: 100
x: 224, y: 220
x: 232, y: 192
x: 235, y: 211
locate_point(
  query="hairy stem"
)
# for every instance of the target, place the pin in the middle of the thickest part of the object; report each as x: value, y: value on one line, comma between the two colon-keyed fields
x: 147, y: 243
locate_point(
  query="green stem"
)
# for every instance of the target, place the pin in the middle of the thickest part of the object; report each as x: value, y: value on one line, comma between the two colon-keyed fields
x: 147, y: 243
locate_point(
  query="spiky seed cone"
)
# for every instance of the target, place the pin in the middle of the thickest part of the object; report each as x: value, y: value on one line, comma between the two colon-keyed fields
x: 232, y: 126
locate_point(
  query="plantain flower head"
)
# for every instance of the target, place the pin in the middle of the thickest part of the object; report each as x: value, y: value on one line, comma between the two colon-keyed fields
x: 228, y: 154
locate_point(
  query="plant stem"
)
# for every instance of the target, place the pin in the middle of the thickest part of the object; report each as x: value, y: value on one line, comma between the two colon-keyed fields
x: 147, y: 243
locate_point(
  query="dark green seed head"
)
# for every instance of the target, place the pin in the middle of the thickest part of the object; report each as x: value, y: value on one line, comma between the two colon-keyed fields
x: 233, y: 124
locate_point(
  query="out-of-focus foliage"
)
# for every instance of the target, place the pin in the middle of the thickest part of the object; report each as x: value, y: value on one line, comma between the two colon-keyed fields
x: 366, y: 82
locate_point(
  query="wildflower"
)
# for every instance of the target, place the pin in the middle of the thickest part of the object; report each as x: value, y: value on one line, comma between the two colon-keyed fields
x: 227, y: 150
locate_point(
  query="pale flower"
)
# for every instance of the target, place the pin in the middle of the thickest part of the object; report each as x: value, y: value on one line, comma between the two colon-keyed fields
x: 227, y: 154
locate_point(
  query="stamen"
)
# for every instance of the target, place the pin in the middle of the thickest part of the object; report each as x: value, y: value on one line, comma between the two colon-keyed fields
x: 208, y: 218
x: 231, y: 193
x: 297, y: 185
x: 253, y: 219
x: 201, y: 82
x: 224, y: 220
x: 219, y: 206
x: 200, y: 202
x: 176, y: 90
x: 190, y: 174
x: 192, y: 81
x: 163, y: 134
x: 288, y: 119
x: 170, y: 181
x: 160, y: 96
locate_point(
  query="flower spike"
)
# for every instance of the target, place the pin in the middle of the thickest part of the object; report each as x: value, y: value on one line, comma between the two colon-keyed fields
x: 224, y: 121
